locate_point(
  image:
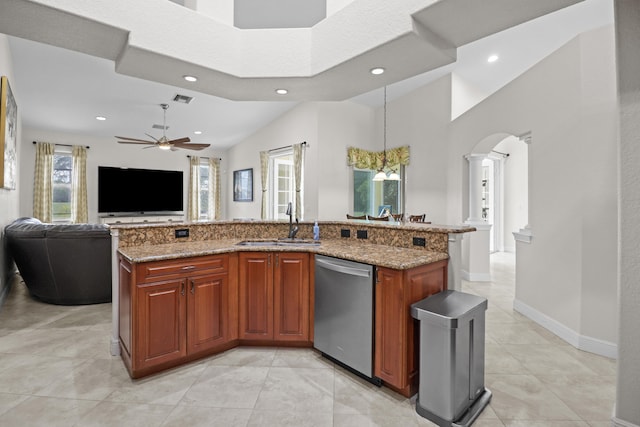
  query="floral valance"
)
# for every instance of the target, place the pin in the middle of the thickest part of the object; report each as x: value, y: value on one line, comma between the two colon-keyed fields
x: 363, y: 159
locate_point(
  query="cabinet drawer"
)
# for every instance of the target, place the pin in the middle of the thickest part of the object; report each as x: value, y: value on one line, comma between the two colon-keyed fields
x: 151, y: 271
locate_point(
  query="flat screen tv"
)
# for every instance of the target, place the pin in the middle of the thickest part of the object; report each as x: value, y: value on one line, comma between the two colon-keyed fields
x: 139, y: 191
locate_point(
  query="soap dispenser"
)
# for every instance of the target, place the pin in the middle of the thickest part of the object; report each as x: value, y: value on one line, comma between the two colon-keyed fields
x: 316, y: 231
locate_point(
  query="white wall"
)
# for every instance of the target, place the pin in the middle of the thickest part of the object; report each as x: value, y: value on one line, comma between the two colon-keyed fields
x: 515, y: 189
x: 103, y: 152
x: 8, y: 198
x: 572, y: 201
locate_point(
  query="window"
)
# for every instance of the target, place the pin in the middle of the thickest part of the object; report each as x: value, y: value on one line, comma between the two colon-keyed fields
x: 374, y: 197
x: 204, y: 189
x: 282, y: 188
x: 62, y: 176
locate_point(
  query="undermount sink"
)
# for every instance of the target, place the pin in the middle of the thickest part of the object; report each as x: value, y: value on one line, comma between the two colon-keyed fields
x: 280, y: 242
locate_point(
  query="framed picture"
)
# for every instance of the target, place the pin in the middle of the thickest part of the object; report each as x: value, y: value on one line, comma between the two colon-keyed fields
x: 8, y: 135
x: 243, y: 185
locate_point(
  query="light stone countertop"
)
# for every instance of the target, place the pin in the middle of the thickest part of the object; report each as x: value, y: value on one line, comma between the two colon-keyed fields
x: 379, y: 255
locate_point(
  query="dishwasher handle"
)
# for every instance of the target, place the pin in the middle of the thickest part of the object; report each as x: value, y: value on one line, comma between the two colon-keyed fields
x: 343, y: 269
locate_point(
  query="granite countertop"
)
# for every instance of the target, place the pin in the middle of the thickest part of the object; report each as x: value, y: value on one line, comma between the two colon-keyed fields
x: 380, y: 255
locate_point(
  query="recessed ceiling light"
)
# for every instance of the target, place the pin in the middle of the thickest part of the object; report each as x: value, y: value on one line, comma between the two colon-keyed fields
x: 377, y: 71
x: 492, y: 58
x: 190, y: 78
x: 197, y: 132
x: 101, y: 118
x: 282, y: 91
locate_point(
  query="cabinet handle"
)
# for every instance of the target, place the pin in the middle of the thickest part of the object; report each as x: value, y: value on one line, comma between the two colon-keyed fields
x: 188, y: 267
x: 193, y: 288
x: 182, y: 288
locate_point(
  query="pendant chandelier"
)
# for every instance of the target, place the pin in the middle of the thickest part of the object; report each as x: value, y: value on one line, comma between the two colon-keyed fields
x: 382, y: 175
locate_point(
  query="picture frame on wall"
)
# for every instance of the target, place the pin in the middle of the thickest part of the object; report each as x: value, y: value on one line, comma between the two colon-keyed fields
x: 243, y: 185
x: 8, y: 135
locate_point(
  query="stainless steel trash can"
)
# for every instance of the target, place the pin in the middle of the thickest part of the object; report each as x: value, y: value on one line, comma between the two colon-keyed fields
x: 451, y: 388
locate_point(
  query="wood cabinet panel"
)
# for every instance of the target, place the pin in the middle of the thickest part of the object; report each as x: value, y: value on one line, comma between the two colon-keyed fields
x: 207, y: 309
x: 161, y: 323
x: 256, y: 296
x: 291, y: 297
x: 151, y: 271
x: 396, y: 344
x: 125, y: 276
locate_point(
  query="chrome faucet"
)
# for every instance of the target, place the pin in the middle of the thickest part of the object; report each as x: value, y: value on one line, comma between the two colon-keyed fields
x: 292, y: 230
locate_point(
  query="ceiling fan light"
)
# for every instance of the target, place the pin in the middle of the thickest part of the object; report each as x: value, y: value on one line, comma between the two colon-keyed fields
x: 164, y: 146
x: 380, y: 176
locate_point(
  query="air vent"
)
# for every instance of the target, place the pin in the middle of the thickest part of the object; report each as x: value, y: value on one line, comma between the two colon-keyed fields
x: 184, y: 99
x: 160, y: 127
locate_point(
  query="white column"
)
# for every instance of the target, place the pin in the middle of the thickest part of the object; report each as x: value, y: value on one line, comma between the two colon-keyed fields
x: 475, y: 187
x: 114, y: 345
x: 477, y: 247
x: 454, y: 270
x: 627, y: 27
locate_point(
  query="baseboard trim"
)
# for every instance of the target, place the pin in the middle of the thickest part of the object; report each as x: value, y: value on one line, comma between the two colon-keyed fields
x: 617, y: 422
x: 582, y: 342
x: 476, y: 277
x: 115, y: 347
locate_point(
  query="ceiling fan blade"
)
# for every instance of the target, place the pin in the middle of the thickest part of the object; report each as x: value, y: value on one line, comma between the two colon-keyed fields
x: 152, y: 137
x: 137, y: 142
x: 179, y: 140
x: 150, y: 146
x: 132, y: 139
x: 192, y: 146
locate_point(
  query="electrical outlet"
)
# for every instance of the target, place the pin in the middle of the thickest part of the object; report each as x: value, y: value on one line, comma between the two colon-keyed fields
x: 345, y: 232
x: 419, y: 241
x: 362, y: 234
x: 182, y: 232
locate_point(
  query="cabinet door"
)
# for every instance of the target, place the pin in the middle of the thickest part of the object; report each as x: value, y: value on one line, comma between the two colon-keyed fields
x: 160, y: 322
x: 255, y: 296
x: 291, y: 297
x: 207, y: 312
x: 390, y: 327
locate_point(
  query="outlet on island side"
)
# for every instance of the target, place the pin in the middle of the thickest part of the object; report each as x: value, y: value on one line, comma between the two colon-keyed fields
x: 362, y: 234
x: 419, y: 241
x: 345, y: 232
x: 182, y: 232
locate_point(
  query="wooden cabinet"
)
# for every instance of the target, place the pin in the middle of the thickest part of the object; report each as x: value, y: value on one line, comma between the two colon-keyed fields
x: 274, y: 297
x: 175, y: 310
x: 396, y: 332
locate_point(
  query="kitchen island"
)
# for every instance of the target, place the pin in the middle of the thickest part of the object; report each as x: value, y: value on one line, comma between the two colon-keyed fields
x: 182, y: 298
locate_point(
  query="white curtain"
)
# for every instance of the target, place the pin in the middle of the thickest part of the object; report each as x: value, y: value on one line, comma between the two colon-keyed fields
x: 297, y: 177
x: 43, y: 182
x: 193, y: 202
x: 79, y: 210
x: 264, y: 176
x: 214, y: 189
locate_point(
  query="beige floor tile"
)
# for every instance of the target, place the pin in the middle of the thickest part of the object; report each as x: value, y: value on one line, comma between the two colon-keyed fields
x: 193, y: 416
x: 500, y: 361
x: 27, y: 374
x: 90, y: 379
x: 547, y: 359
x: 8, y: 401
x: 165, y: 388
x: 47, y: 412
x: 84, y: 317
x: 515, y: 333
x: 261, y: 418
x: 599, y: 364
x: 524, y: 397
x: 353, y: 395
x: 555, y: 423
x: 377, y: 420
x: 111, y: 414
x: 589, y: 396
x: 227, y: 387
x: 297, y: 390
x: 244, y: 356
x: 300, y: 358
x: 488, y: 423
x: 35, y: 341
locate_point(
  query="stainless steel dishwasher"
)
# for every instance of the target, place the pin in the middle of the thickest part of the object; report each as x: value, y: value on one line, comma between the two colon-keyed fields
x: 343, y: 322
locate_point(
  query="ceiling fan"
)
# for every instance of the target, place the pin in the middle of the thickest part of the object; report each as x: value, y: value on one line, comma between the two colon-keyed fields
x: 164, y: 143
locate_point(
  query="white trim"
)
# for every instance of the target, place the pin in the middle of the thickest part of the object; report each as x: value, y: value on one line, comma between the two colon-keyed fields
x: 524, y: 235
x: 617, y: 422
x: 476, y: 277
x: 114, y: 344
x: 581, y: 342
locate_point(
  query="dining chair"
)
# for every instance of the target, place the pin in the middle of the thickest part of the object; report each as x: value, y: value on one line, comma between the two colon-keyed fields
x: 398, y: 217
x: 377, y: 218
x: 417, y: 218
x: 356, y: 216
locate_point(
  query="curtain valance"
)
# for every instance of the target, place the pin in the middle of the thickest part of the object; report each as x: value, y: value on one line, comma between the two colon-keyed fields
x: 363, y: 159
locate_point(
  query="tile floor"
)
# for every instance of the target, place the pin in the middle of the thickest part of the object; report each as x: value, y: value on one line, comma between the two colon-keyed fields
x: 55, y: 370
